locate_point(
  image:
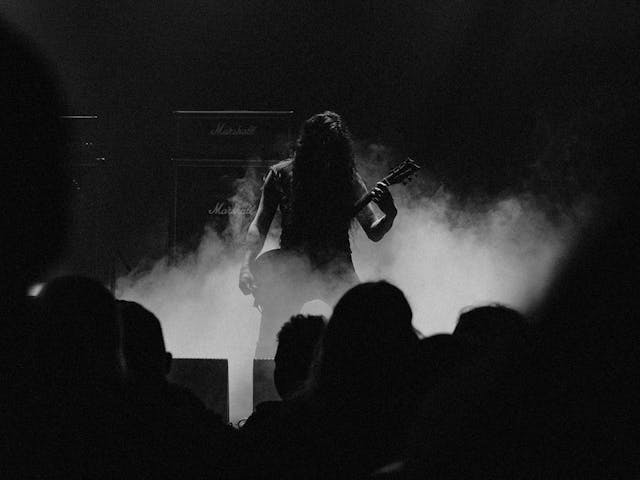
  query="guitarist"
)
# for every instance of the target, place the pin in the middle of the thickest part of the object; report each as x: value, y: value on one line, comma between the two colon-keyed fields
x: 316, y: 191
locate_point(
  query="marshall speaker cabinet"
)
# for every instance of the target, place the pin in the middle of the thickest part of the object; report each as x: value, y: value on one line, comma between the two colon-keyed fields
x: 89, y: 251
x: 219, y: 161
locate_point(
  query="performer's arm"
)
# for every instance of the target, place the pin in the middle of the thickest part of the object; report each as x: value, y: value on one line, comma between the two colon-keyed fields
x: 374, y: 227
x: 257, y: 232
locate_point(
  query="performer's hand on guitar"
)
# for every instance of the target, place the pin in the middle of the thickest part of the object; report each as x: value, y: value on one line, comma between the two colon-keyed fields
x: 247, y: 283
x: 382, y: 197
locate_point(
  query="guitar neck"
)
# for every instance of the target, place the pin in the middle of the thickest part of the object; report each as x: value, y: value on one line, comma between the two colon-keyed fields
x: 366, y: 198
x: 362, y: 202
x: 399, y: 174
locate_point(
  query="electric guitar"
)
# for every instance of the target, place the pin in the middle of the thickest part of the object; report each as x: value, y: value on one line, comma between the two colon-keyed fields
x: 272, y: 267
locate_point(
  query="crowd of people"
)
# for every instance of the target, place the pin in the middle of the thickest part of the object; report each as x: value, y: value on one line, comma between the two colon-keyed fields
x: 363, y: 395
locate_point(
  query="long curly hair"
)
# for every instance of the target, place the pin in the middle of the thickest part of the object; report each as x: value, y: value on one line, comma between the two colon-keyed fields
x: 322, y: 191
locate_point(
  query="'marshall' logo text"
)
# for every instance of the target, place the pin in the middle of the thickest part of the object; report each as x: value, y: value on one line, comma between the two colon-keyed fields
x: 222, y: 209
x: 222, y: 129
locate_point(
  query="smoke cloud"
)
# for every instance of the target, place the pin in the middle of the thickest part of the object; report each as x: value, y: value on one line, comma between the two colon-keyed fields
x: 442, y: 255
x: 446, y: 256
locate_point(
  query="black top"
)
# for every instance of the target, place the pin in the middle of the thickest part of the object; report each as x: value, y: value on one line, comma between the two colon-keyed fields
x: 277, y: 193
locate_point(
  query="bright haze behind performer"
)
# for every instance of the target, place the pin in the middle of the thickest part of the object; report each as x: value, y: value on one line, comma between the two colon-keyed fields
x: 316, y: 192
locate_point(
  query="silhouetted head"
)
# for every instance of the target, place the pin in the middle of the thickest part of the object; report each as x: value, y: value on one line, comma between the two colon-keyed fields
x: 34, y: 183
x: 79, y: 336
x: 491, y: 325
x: 326, y: 137
x: 369, y: 342
x: 143, y: 345
x: 297, y: 342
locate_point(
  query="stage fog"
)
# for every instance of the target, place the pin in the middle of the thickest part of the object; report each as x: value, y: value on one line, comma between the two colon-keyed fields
x: 444, y: 255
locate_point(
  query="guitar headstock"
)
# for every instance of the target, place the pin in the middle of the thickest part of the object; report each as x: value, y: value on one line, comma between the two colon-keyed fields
x: 402, y: 173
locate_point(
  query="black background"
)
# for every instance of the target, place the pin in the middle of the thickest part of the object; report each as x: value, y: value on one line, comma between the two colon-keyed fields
x: 472, y: 89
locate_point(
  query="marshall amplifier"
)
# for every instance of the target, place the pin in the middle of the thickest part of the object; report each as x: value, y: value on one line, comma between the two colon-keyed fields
x: 237, y: 135
x: 89, y: 249
x: 219, y: 164
x: 215, y: 195
x: 84, y: 145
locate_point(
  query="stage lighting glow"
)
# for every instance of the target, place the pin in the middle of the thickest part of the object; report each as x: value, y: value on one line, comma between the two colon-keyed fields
x: 35, y: 289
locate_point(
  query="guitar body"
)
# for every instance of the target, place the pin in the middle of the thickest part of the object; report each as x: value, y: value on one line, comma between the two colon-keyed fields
x: 284, y: 276
x: 278, y: 275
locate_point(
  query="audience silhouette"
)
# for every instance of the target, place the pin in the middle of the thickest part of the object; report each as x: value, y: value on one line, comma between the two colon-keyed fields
x: 297, y: 347
x: 34, y: 200
x: 147, y: 364
x: 179, y: 435
x: 78, y: 345
x: 351, y: 416
x: 298, y: 341
x: 146, y: 360
x: 491, y: 325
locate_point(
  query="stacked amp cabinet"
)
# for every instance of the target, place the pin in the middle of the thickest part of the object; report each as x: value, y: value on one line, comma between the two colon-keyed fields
x: 219, y: 161
x: 89, y: 251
